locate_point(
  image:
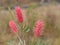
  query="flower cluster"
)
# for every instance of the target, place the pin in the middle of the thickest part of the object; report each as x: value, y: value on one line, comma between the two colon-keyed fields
x: 38, y: 28
x: 13, y: 26
x: 19, y: 15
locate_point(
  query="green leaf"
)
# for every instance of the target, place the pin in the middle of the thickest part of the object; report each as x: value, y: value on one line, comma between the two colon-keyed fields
x: 26, y: 28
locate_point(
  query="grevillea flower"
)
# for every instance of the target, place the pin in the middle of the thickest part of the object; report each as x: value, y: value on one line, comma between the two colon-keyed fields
x: 19, y: 14
x: 38, y: 29
x: 13, y: 26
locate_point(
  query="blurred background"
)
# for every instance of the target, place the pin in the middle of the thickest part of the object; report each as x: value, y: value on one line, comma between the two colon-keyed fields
x: 47, y: 10
x: 26, y: 2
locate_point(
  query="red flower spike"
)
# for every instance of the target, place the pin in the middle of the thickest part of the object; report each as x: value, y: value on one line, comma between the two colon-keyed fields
x: 19, y: 14
x: 38, y: 28
x: 13, y: 26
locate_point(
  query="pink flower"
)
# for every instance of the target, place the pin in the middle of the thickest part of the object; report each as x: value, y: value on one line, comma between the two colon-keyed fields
x: 13, y: 26
x: 19, y: 14
x: 38, y: 28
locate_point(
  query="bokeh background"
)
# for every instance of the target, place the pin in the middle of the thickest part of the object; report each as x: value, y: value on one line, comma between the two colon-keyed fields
x: 47, y: 10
